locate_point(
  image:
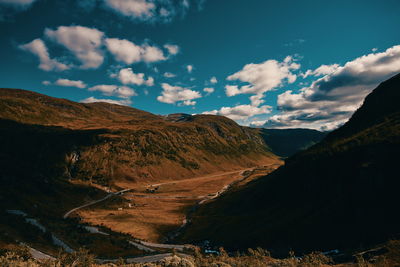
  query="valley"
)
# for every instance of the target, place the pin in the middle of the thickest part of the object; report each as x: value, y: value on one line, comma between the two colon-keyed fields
x: 156, y: 216
x: 123, y: 183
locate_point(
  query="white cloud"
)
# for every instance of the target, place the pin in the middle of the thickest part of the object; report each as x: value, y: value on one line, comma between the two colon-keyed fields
x: 70, y: 83
x: 150, y: 10
x: 189, y: 103
x: 189, y: 68
x: 263, y: 77
x: 169, y: 75
x: 124, y: 102
x: 138, y: 9
x: 257, y: 100
x: 127, y: 76
x: 129, y: 52
x: 257, y: 123
x: 114, y: 90
x: 232, y: 90
x: 38, y: 48
x: 213, y: 80
x: 85, y: 43
x: 124, y: 50
x: 330, y: 100
x: 172, y: 94
x: 208, y: 90
x: 241, y: 113
x: 172, y: 49
x: 46, y: 83
x: 321, y: 70
x: 152, y: 54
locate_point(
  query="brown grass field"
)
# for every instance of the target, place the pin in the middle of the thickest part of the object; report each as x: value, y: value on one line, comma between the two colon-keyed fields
x: 151, y: 216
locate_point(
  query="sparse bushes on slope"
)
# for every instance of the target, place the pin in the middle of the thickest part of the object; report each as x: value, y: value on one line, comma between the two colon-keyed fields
x: 254, y: 258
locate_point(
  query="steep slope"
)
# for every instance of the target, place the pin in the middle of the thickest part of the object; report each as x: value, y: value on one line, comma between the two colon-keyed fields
x: 137, y: 146
x: 341, y: 193
x: 55, y: 153
x: 286, y: 142
x: 33, y: 182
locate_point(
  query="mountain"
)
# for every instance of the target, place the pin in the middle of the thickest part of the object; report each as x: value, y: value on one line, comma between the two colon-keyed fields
x: 341, y: 193
x: 56, y: 154
x: 286, y: 142
x: 136, y: 146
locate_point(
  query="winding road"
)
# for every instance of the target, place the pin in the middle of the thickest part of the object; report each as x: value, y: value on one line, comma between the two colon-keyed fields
x: 148, y: 246
x: 95, y: 202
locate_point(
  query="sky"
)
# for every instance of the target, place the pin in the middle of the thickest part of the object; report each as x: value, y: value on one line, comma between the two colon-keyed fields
x: 262, y: 63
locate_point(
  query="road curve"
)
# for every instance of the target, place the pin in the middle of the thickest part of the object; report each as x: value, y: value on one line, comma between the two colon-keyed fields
x: 144, y: 259
x: 95, y: 202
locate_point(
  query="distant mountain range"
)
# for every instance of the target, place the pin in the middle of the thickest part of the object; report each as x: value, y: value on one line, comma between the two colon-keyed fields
x: 286, y: 142
x: 341, y: 193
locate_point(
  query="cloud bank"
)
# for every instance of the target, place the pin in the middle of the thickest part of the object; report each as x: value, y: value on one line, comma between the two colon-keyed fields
x: 330, y: 100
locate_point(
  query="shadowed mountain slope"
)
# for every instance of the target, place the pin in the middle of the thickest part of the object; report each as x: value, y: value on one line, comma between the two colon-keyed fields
x: 286, y: 142
x: 137, y: 146
x: 341, y: 193
x: 50, y: 145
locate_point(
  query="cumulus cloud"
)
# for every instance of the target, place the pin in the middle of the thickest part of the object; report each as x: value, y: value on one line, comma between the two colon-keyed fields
x: 83, y: 42
x: 124, y: 102
x: 152, y: 54
x: 263, y: 77
x: 172, y: 49
x: 87, y: 46
x: 150, y: 10
x: 189, y: 68
x: 39, y: 49
x: 138, y: 9
x: 124, y: 50
x: 330, y: 100
x: 114, y: 90
x: 188, y: 103
x: 321, y: 70
x: 127, y: 76
x: 169, y: 75
x: 213, y: 80
x: 173, y: 94
x: 257, y: 100
x: 70, y: 83
x: 129, y: 52
x: 46, y: 83
x: 241, y: 113
x: 208, y: 90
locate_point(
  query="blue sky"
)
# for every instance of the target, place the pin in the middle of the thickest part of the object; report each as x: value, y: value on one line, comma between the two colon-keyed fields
x: 277, y: 64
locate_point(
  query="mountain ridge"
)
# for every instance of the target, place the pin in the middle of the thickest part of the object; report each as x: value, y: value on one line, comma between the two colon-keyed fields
x: 338, y: 194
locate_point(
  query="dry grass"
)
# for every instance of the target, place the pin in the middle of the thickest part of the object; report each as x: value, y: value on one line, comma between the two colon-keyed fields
x: 19, y: 257
x: 153, y: 215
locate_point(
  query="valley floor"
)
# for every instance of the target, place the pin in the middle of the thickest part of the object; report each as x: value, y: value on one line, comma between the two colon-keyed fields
x: 155, y: 212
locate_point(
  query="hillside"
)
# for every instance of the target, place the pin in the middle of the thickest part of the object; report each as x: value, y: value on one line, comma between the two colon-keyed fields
x: 339, y: 194
x: 286, y: 142
x: 57, y: 154
x: 137, y: 146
